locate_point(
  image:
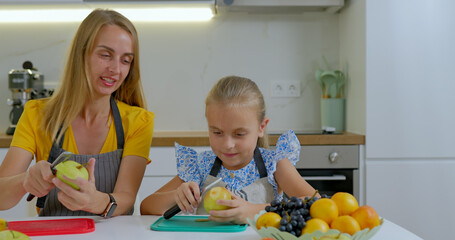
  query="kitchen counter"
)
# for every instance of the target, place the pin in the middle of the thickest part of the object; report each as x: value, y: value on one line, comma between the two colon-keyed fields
x: 200, y: 138
x: 138, y: 227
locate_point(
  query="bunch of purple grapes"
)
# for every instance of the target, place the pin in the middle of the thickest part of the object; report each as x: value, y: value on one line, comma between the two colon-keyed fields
x: 294, y: 213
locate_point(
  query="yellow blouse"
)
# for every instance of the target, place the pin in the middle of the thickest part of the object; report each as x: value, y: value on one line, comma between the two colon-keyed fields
x: 137, y: 126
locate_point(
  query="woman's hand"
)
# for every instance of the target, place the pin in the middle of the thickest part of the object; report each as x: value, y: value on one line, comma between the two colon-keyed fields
x: 83, y: 199
x: 238, y: 213
x: 187, y: 196
x: 38, y: 179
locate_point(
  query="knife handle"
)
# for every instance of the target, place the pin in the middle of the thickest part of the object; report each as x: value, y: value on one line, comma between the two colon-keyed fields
x: 171, y: 211
x: 30, y: 197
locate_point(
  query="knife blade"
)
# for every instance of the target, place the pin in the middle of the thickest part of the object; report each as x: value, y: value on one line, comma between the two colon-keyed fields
x: 61, y: 158
x: 176, y: 209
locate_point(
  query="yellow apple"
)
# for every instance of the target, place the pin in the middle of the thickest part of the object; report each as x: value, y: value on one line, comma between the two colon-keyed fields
x: 13, y: 235
x: 71, y: 170
x: 213, y: 195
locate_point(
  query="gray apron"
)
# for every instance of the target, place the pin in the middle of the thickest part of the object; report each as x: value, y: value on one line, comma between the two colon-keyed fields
x: 106, y: 171
x: 259, y: 192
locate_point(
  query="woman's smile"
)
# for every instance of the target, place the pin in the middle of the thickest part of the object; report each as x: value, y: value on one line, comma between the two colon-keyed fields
x: 108, y: 81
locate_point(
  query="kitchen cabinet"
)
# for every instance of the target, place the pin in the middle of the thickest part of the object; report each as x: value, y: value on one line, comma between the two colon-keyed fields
x: 396, y: 52
x: 423, y: 189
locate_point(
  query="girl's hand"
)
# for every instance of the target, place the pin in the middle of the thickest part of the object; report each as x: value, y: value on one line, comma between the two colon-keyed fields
x: 38, y: 179
x: 83, y: 199
x: 187, y: 196
x: 238, y: 213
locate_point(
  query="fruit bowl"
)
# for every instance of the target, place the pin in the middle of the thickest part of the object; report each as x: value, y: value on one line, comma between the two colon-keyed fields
x: 274, y: 233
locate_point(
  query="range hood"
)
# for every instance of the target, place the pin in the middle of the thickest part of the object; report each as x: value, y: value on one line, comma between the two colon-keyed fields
x: 278, y: 6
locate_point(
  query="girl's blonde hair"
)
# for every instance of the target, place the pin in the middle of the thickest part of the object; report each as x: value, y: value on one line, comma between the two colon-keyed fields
x: 240, y: 91
x: 76, y: 90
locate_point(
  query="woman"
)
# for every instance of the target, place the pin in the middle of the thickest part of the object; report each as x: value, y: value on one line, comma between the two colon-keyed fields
x: 98, y: 114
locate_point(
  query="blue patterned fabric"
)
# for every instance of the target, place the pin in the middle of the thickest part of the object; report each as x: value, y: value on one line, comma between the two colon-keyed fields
x: 195, y: 167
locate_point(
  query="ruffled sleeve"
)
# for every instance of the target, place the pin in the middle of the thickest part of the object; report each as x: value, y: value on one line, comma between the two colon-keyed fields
x: 287, y: 146
x: 187, y: 168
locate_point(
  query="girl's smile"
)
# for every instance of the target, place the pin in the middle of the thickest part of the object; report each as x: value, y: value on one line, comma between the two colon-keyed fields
x: 230, y: 155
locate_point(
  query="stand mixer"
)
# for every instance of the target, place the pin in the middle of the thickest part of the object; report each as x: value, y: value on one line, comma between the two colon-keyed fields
x: 25, y: 84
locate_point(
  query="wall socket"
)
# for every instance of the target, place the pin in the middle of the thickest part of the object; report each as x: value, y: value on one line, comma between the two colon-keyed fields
x: 285, y: 89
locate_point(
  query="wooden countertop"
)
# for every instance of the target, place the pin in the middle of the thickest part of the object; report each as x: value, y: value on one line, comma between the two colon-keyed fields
x: 200, y: 138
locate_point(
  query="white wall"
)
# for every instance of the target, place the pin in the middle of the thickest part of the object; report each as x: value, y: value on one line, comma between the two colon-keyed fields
x: 181, y: 61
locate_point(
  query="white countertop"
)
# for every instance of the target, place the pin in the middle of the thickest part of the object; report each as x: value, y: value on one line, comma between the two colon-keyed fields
x: 138, y: 227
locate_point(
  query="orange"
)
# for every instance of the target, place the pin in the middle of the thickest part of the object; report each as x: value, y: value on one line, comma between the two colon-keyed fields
x: 345, y: 224
x: 268, y: 219
x: 325, y: 209
x: 315, y: 224
x: 346, y: 203
x: 366, y: 216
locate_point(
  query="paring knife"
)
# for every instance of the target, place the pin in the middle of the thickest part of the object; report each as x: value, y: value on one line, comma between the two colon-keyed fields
x: 176, y: 209
x: 61, y: 158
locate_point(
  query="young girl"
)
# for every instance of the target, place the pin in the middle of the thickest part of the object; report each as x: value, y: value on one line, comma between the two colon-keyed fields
x: 235, y: 112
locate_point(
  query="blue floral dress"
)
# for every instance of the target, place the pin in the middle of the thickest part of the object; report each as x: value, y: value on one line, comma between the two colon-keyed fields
x: 195, y: 167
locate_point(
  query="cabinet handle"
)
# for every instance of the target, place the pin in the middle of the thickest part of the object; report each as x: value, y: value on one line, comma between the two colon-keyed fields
x: 325, y: 178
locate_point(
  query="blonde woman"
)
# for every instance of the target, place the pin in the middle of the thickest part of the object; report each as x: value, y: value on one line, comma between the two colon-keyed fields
x: 98, y: 114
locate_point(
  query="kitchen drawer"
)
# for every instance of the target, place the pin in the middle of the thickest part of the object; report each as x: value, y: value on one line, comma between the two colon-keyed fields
x: 329, y: 156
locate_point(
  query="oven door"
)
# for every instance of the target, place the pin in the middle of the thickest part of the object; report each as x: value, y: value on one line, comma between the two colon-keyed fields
x: 330, y: 181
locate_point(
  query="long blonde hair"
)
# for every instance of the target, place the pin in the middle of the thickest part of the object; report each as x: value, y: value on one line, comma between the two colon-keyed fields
x: 234, y: 90
x: 75, y: 90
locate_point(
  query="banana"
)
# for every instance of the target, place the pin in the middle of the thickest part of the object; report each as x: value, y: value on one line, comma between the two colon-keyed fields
x: 3, y: 224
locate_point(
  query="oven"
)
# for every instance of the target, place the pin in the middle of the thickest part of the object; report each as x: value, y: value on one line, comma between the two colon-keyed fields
x: 331, y: 168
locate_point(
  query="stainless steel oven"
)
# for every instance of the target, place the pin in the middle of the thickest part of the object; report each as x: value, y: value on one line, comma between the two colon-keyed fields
x: 331, y: 168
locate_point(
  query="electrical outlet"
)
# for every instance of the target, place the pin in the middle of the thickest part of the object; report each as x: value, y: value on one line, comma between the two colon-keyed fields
x: 285, y: 88
x: 293, y: 89
x: 277, y: 89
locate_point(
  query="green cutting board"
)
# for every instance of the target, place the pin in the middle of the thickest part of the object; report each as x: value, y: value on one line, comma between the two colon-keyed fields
x: 181, y: 223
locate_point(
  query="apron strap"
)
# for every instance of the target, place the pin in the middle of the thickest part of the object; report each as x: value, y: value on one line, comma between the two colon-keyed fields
x: 260, y: 163
x: 258, y: 160
x: 216, y: 167
x: 56, y: 149
x: 118, y: 124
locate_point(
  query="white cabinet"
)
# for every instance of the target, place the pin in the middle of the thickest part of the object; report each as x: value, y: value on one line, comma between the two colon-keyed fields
x: 416, y: 194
